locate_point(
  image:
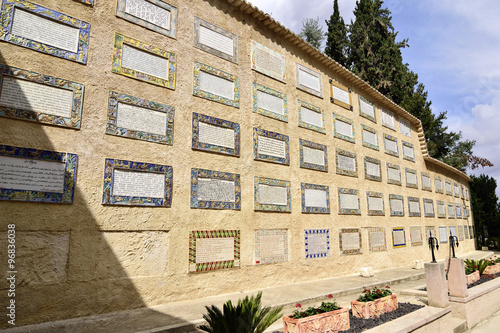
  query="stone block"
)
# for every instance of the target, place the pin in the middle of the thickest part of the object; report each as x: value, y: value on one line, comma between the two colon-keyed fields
x: 437, y: 290
x: 457, y: 283
x: 418, y: 264
x: 366, y: 272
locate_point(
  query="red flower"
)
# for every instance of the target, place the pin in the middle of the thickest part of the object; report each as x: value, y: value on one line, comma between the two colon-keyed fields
x: 298, y: 305
x: 475, y: 266
x: 378, y: 291
x: 366, y: 291
x: 387, y: 287
x: 330, y: 296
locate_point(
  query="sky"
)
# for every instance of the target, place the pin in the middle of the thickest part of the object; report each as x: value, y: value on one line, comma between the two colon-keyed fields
x: 454, y: 49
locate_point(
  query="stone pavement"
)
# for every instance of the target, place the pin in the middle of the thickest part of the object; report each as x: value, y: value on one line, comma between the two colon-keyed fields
x: 184, y: 316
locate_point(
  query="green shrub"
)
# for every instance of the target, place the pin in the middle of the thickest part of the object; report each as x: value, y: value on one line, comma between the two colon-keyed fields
x: 480, y: 265
x: 376, y: 293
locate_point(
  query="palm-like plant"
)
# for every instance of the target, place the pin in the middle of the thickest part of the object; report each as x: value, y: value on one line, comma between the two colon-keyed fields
x: 247, y: 316
x: 480, y: 264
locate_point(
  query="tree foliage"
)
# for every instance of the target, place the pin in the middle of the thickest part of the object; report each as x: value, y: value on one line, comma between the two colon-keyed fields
x: 336, y: 37
x: 312, y: 32
x: 485, y: 208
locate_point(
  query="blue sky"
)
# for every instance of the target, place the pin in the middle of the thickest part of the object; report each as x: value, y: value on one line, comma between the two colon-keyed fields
x: 454, y: 49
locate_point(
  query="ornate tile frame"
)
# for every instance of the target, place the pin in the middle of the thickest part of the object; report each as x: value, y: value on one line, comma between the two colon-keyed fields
x: 367, y: 144
x: 257, y: 87
x: 76, y: 108
x: 272, y: 135
x: 336, y: 118
x: 235, y: 102
x: 117, y: 68
x: 372, y: 212
x: 382, y: 111
x: 336, y: 101
x: 107, y: 194
x: 71, y: 162
x: 203, y: 173
x: 111, y: 125
x: 427, y: 214
x: 392, y: 181
x: 377, y: 248
x: 455, y: 194
x: 397, y: 246
x: 120, y: 12
x: 426, y: 188
x: 436, y: 179
x: 7, y: 13
x: 307, y: 234
x: 274, y: 259
x: 314, y: 210
x: 302, y: 104
x: 408, y: 145
x: 440, y: 202
x: 350, y: 231
x: 304, y: 143
x: 203, y: 146
x: 199, y: 22
x: 421, y: 241
x: 413, y: 172
x: 271, y: 182
x: 452, y: 205
x: 397, y: 197
x: 87, y: 2
x: 450, y: 192
x: 254, y: 47
x: 458, y: 211
x: 215, y: 265
x: 366, y: 115
x: 341, y: 152
x: 300, y: 86
x: 374, y: 161
x: 346, y: 211
x: 410, y: 213
x: 395, y: 140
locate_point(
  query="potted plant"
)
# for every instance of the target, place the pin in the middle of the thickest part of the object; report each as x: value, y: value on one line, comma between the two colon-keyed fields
x: 471, y: 273
x: 373, y: 303
x: 493, y: 267
x: 328, y: 317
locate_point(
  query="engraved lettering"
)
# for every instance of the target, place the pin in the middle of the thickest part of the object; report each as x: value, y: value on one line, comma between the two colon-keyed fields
x: 148, y: 12
x: 216, y: 85
x: 138, y: 184
x: 214, y: 249
x: 271, y: 147
x: 270, y: 102
x: 313, y: 156
x: 311, y: 117
x: 216, y: 135
x: 144, y: 62
x: 216, y: 40
x: 141, y: 119
x: 272, y: 195
x: 315, y: 198
x: 210, y: 189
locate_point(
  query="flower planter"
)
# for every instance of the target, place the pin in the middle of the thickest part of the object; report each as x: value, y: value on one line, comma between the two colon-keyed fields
x: 472, y: 277
x: 332, y: 321
x: 374, y: 308
x: 493, y: 269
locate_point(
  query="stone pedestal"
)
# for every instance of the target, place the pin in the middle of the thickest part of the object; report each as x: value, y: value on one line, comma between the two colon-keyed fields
x: 437, y: 291
x: 366, y: 272
x: 457, y: 283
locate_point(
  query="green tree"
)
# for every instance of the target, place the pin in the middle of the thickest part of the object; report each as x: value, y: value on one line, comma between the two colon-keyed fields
x: 485, y: 208
x: 312, y: 32
x: 336, y: 37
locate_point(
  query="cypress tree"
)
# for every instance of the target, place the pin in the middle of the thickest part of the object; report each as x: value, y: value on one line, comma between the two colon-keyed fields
x: 336, y: 37
x: 312, y: 32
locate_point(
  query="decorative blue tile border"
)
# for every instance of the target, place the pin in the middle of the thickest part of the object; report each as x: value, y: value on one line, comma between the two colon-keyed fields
x: 392, y: 181
x: 77, y: 89
x: 441, y: 203
x: 350, y: 231
x: 388, y: 137
x: 257, y: 87
x: 372, y: 212
x: 270, y: 158
x: 410, y: 213
x: 201, y: 23
x: 120, y: 12
x: 366, y: 115
x: 436, y: 180
x: 397, y: 197
x: 113, y: 129
x: 196, y: 144
x: 314, y: 233
x: 271, y: 207
x: 374, y: 161
x: 424, y: 187
x: 302, y: 104
x: 226, y: 176
x: 374, y: 248
x: 428, y: 214
x: 6, y: 17
x: 336, y: 100
x: 33, y: 155
x: 367, y: 144
x: 108, y: 198
x: 304, y: 143
x: 346, y: 211
x: 398, y: 245
x: 336, y: 118
x: 458, y: 211
x: 413, y: 172
x: 408, y: 145
x: 341, y: 152
x: 199, y: 67
x: 314, y: 210
x: 277, y: 233
x: 305, y: 88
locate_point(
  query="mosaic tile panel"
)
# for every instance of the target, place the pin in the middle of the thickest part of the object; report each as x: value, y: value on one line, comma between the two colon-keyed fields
x: 430, y: 204
x: 388, y: 119
x: 272, y: 155
x: 317, y: 243
x: 213, y: 235
x: 411, y: 174
x: 438, y: 185
x: 224, y: 177
x: 408, y: 146
x: 272, y: 207
x: 229, y: 148
x: 375, y: 212
x: 337, y: 118
x: 398, y: 237
x: 370, y: 130
x: 199, y: 67
x: 456, y: 190
x: 340, y: 170
x: 426, y: 182
x: 87, y: 2
x: 265, y: 254
x: 317, y: 146
x: 392, y: 203
x: 441, y: 210
x: 369, y: 160
x: 389, y: 138
x: 443, y: 234
x: 314, y: 209
x: 458, y: 210
x: 275, y: 61
x: 350, y: 241
x: 376, y: 239
x: 404, y: 127
x: 410, y: 212
x: 335, y: 90
x: 416, y: 235
x: 451, y: 210
x: 268, y: 113
x: 304, y: 105
x: 230, y: 55
x: 394, y: 167
x: 314, y: 84
x: 362, y: 113
x: 348, y: 211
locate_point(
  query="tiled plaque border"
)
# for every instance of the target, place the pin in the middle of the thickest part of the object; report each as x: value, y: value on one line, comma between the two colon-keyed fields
x: 257, y: 87
x: 272, y: 135
x: 350, y: 231
x: 202, y: 173
x: 397, y: 197
x: 452, y: 205
x: 436, y: 179
x: 307, y: 234
x: 409, y: 145
x: 87, y: 2
x: 458, y: 211
x: 373, y: 131
x: 210, y: 266
x: 426, y: 188
x: 410, y: 213
x: 440, y: 202
x: 120, y: 12
x: 377, y: 248
x: 336, y: 101
x: 254, y: 47
x: 413, y: 172
x: 197, y: 145
x: 419, y: 242
x: 109, y: 199
x: 302, y: 104
x: 382, y: 111
x: 374, y: 161
x: 118, y: 55
x: 393, y: 166
x: 71, y: 161
x: 365, y: 115
x: 345, y: 120
x: 394, y: 139
x: 212, y: 97
x: 199, y: 22
x: 372, y: 212
x: 76, y: 108
x: 112, y: 128
x: 314, y: 210
x: 6, y: 16
x: 304, y: 143
x: 396, y: 246
x: 426, y: 214
x: 345, y: 211
x: 305, y: 88
x: 272, y: 182
x: 270, y: 232
x: 341, y: 152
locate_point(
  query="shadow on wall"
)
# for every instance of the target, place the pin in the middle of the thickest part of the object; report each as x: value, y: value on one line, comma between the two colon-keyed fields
x: 66, y: 265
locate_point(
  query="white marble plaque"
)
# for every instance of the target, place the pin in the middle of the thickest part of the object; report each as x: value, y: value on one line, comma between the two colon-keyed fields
x: 443, y: 235
x: 341, y: 95
x: 138, y: 184
x: 37, y: 97
x: 317, y: 243
x: 426, y: 181
x: 272, y: 246
x: 461, y: 233
x: 466, y: 232
x: 141, y: 119
x: 311, y: 117
x: 391, y: 145
x: 271, y: 147
x: 457, y: 190
x: 214, y: 249
x: 451, y: 211
x: 370, y: 138
x: 448, y: 187
x: 397, y: 205
x: 216, y: 85
x: 404, y: 127
x: 439, y: 185
x: 44, y: 30
x: 398, y: 237
x: 350, y: 241
x: 388, y: 118
x: 272, y: 195
x: 393, y: 174
x: 367, y: 108
x: 346, y: 162
x: 373, y: 169
x: 416, y: 235
x: 428, y: 208
x: 441, y: 209
x: 349, y: 201
x: 270, y: 102
x: 269, y: 62
x: 375, y: 203
x: 309, y: 80
x: 313, y: 156
x: 377, y: 239
x: 215, y: 135
x: 315, y: 198
x: 408, y: 151
x: 148, y: 12
x: 144, y: 62
x: 414, y: 207
x: 343, y: 128
x: 216, y: 41
x: 31, y: 175
x: 459, y: 211
x: 411, y: 178
x: 210, y: 189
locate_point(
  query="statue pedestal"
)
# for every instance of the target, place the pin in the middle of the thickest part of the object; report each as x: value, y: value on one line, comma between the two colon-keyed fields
x: 437, y: 291
x: 457, y: 283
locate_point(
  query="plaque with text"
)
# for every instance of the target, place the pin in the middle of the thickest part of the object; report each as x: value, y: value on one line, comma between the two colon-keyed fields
x: 459, y: 211
x: 367, y: 109
x: 391, y: 145
x: 340, y: 95
x: 443, y: 234
x: 315, y: 198
x: 393, y: 174
x: 429, y: 231
x: 456, y: 190
x: 40, y: 98
x: 131, y: 183
x: 416, y: 236
x: 428, y: 207
x: 215, y: 40
x: 376, y: 239
x: 311, y: 117
x: 448, y: 187
x: 215, y: 189
x: 468, y: 232
x: 156, y: 15
x: 215, y: 135
x: 349, y: 201
x: 404, y: 127
x: 441, y: 209
x: 313, y: 155
x: 269, y: 102
x: 216, y: 85
x: 267, y: 61
x: 411, y: 178
x: 271, y: 147
x: 343, y: 128
x: 317, y: 243
x: 396, y: 203
x: 34, y: 175
x: 369, y: 137
x: 426, y: 182
x: 271, y: 246
x: 398, y: 237
x: 451, y: 210
x: 346, y: 163
x: 137, y: 118
x: 375, y: 201
x: 272, y: 195
x: 438, y: 184
x: 373, y: 169
x: 413, y: 206
x: 350, y: 241
x: 388, y: 119
x: 408, y: 151
x: 213, y: 249
x: 461, y: 233
x: 309, y: 80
